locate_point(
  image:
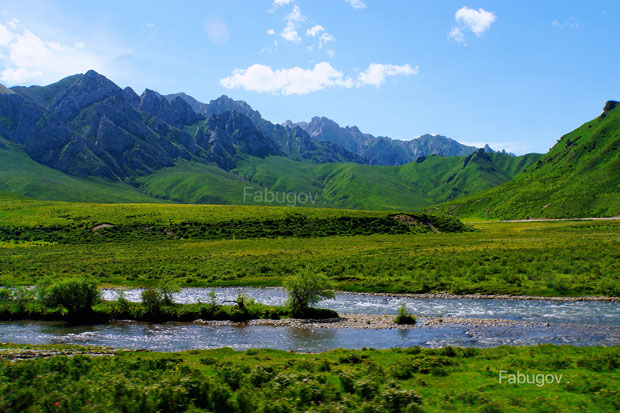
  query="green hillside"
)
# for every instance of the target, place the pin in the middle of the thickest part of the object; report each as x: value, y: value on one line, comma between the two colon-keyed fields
x: 20, y: 175
x: 273, y: 180
x: 197, y: 183
x: 579, y: 177
x: 412, y: 186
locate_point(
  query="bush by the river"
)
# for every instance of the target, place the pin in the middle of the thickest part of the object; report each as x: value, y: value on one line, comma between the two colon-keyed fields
x: 78, y: 300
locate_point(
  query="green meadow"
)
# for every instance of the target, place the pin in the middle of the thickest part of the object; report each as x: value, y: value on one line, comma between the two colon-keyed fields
x: 561, y: 378
x: 192, y: 245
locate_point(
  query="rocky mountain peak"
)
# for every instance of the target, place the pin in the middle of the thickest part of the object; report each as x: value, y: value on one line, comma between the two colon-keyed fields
x: 87, y: 89
x: 609, y: 105
x: 131, y: 97
x: 226, y: 104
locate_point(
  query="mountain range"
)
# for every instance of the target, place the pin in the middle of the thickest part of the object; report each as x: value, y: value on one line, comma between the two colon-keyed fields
x: 383, y: 150
x: 84, y: 138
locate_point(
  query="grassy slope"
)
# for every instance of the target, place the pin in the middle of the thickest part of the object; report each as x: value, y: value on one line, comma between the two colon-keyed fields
x: 21, y: 175
x: 579, y: 177
x: 396, y: 380
x: 19, y: 212
x: 340, y: 185
x: 193, y: 182
x: 406, y: 187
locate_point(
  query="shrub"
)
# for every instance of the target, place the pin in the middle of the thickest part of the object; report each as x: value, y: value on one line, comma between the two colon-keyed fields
x: 76, y: 295
x: 243, y: 301
x: 404, y: 317
x: 151, y: 300
x: 305, y: 289
x: 6, y: 294
x: 124, y: 306
x: 397, y: 400
x: 213, y: 300
x: 166, y: 290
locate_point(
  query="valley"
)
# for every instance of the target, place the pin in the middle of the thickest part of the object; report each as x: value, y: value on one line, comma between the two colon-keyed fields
x: 184, y: 220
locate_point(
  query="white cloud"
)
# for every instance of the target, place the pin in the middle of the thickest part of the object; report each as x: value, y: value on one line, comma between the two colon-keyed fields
x: 314, y: 30
x: 13, y: 23
x: 279, y: 3
x: 475, y: 21
x: 271, y: 32
x: 296, y: 16
x: 299, y: 81
x: 293, y: 20
x: 330, y: 52
x: 19, y: 75
x: 28, y: 50
x: 326, y: 38
x: 478, y: 21
x: 291, y: 81
x: 376, y: 73
x: 319, y: 31
x: 457, y: 35
x: 6, y: 36
x: 570, y: 23
x: 26, y: 58
x: 356, y: 4
x: 289, y: 33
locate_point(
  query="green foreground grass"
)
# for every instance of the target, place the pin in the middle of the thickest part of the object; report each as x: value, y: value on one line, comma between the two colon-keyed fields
x: 536, y: 258
x: 407, y: 380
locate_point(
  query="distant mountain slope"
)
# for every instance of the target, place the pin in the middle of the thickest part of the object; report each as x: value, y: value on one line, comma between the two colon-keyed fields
x: 382, y: 150
x: 85, y: 138
x: 578, y: 177
x: 412, y: 186
x: 21, y: 175
x: 323, y: 140
x: 85, y: 125
x: 281, y: 181
x: 294, y: 142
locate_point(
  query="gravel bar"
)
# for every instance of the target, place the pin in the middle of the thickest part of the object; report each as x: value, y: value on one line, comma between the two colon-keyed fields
x: 376, y: 322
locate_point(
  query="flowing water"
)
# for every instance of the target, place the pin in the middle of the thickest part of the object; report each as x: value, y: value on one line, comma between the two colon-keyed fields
x: 561, y: 322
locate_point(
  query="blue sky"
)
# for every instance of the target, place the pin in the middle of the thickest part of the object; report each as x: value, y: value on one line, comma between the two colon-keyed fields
x: 514, y: 74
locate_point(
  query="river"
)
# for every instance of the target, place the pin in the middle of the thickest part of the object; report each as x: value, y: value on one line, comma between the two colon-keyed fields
x: 581, y: 323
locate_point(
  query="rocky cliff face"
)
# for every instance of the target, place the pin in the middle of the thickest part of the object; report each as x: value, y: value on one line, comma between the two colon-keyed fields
x: 381, y: 150
x: 86, y: 125
x: 294, y: 142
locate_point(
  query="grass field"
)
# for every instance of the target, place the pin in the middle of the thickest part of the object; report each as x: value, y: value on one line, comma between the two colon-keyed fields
x: 568, y: 258
x: 561, y: 378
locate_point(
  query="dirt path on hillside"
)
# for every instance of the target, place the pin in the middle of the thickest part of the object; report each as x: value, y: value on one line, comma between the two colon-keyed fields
x: 552, y: 220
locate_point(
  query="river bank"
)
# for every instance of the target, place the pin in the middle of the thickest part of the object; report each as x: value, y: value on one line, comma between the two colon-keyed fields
x: 485, y: 296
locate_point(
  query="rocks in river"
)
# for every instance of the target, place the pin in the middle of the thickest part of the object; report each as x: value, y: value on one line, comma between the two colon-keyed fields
x: 377, y: 322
